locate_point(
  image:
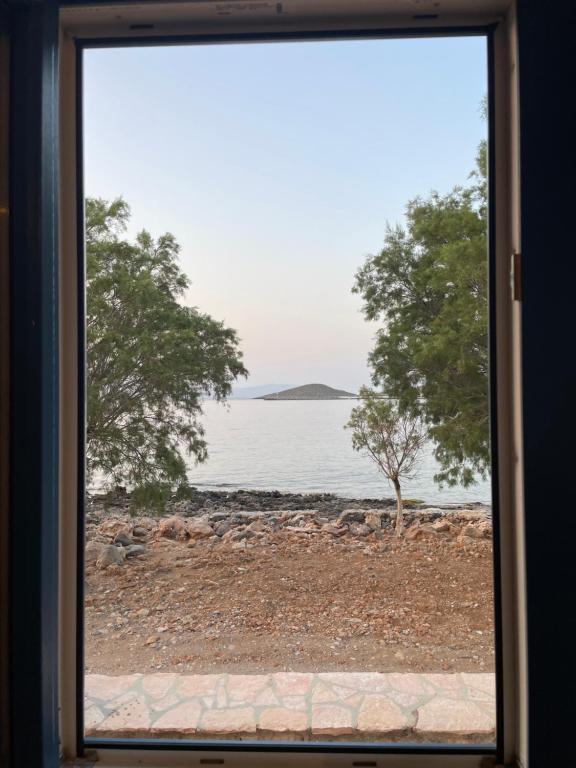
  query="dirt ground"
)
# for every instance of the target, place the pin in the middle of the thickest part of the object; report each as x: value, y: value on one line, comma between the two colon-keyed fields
x: 300, y: 603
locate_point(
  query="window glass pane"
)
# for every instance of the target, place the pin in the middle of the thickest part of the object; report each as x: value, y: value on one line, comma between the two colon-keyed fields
x: 288, y: 516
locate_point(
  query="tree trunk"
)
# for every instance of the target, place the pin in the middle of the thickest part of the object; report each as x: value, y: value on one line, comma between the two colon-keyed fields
x: 399, y: 528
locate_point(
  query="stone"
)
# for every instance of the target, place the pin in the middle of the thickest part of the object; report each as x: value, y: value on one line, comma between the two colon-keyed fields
x: 222, y: 528
x: 323, y: 693
x: 440, y: 717
x: 242, y: 535
x: 373, y: 518
x: 483, y: 681
x: 92, y: 717
x: 295, y: 702
x: 417, y: 685
x: 477, y: 531
x: 379, y: 715
x: 92, y: 551
x: 442, y: 526
x: 181, y: 720
x: 173, y: 527
x: 122, y: 539
x: 200, y: 529
x: 282, y: 720
x: 218, y: 517
x: 159, y: 684
x: 485, y: 528
x: 110, y: 555
x: 140, y: 532
x: 257, y: 526
x: 446, y: 682
x: 108, y: 687
x: 167, y: 702
x: 135, y: 549
x: 334, y: 530
x: 351, y: 516
x: 243, y: 688
x: 198, y: 685
x: 360, y: 529
x: 240, y: 720
x: 112, y: 527
x: 266, y: 697
x: 292, y: 683
x: 331, y: 720
x: 414, y: 532
x: 129, y: 719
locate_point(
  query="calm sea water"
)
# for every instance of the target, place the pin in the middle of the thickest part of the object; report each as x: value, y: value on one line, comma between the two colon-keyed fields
x: 302, y: 446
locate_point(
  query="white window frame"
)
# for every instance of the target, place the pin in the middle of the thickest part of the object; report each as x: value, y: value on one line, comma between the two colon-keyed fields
x: 172, y: 22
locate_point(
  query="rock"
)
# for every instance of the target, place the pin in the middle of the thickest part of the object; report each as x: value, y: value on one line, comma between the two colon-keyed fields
x: 239, y: 534
x: 152, y: 639
x: 442, y: 526
x: 173, y: 528
x: 334, y: 529
x: 414, y: 532
x: 135, y: 549
x: 351, y: 516
x: 485, y: 528
x: 112, y: 527
x: 110, y: 555
x: 222, y: 528
x: 482, y: 530
x: 470, y: 516
x: 139, y: 532
x: 200, y: 529
x: 360, y: 529
x: 373, y: 518
x: 257, y: 526
x: 430, y: 514
x: 218, y: 517
x: 122, y: 539
x: 92, y: 551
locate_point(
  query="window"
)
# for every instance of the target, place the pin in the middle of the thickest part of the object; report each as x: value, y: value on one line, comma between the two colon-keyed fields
x: 472, y: 753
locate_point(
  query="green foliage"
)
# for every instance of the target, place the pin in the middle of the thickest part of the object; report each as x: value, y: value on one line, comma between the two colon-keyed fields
x: 390, y: 437
x: 150, y: 359
x: 428, y: 288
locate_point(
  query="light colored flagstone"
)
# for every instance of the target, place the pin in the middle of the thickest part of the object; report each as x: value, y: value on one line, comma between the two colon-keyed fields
x: 379, y: 715
x: 339, y: 706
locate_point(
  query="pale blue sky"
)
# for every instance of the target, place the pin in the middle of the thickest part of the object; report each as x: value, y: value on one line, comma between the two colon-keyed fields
x: 277, y: 166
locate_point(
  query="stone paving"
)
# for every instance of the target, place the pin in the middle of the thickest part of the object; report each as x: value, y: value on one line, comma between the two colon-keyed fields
x: 324, y: 706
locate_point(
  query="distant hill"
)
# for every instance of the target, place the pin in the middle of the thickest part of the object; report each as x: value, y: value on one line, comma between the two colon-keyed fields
x: 251, y: 393
x: 309, y: 392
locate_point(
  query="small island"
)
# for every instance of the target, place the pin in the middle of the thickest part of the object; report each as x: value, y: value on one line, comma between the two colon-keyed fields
x: 310, y: 392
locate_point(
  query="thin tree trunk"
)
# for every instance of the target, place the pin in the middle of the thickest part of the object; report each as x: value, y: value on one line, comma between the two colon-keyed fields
x: 399, y: 528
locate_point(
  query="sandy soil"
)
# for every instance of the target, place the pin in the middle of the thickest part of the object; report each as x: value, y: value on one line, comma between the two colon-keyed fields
x: 300, y: 602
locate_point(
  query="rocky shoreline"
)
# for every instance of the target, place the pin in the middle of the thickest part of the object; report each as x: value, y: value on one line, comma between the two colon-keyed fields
x: 243, y: 519
x: 253, y: 500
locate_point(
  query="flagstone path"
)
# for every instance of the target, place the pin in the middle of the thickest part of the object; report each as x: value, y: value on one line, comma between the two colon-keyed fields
x: 326, y: 706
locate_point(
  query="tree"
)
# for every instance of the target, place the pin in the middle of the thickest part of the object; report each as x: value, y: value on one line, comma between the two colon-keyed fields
x: 150, y: 359
x: 428, y: 288
x: 391, y: 438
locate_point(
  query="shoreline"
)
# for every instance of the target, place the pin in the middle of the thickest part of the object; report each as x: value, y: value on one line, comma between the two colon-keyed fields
x: 248, y: 500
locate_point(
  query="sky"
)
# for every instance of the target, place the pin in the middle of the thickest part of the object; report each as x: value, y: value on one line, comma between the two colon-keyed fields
x: 277, y: 167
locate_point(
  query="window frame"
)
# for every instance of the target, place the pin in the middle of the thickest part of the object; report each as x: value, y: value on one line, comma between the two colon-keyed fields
x: 109, y: 751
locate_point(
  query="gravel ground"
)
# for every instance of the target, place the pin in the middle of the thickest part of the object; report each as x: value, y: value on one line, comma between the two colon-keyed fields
x: 291, y: 599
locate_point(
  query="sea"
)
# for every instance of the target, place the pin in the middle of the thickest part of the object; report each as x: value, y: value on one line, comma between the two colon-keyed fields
x: 301, y: 446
